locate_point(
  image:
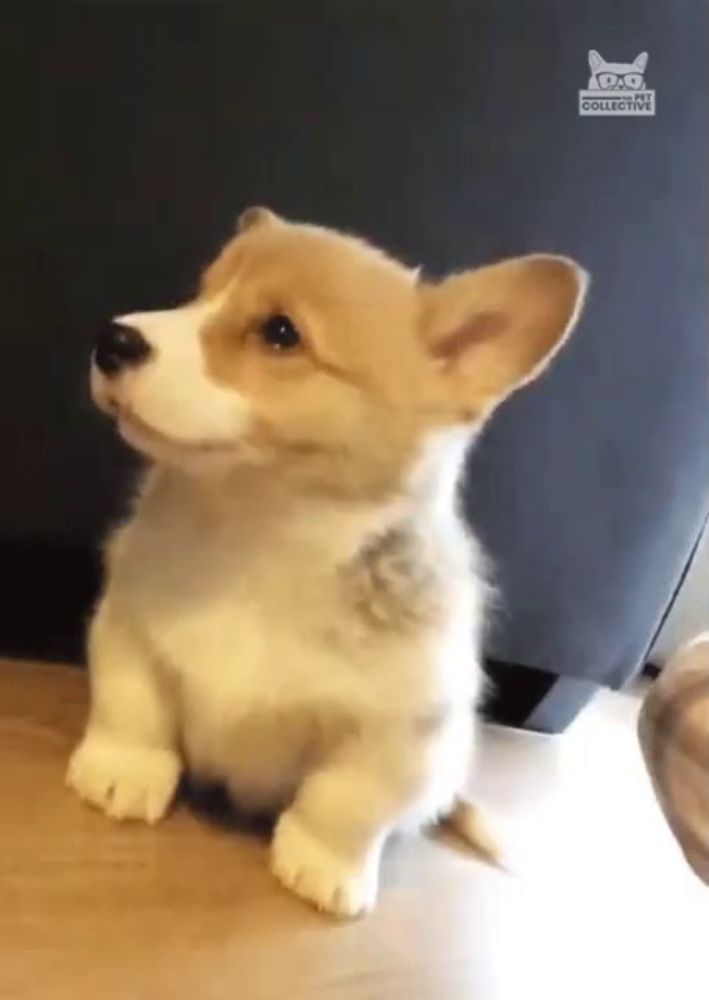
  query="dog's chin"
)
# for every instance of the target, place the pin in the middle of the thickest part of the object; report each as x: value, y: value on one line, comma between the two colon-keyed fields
x: 166, y: 449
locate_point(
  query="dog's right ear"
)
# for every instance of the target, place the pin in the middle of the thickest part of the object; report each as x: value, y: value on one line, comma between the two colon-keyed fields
x: 495, y: 328
x: 595, y: 60
x: 257, y: 215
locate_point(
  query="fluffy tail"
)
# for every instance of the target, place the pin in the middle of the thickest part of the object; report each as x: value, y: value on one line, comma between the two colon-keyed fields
x: 466, y: 822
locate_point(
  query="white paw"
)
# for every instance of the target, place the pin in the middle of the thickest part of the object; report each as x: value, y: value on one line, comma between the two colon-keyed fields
x: 126, y: 781
x: 314, y: 872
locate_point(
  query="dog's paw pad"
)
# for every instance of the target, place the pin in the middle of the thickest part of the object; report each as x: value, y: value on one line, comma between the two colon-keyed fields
x: 126, y: 781
x: 317, y: 874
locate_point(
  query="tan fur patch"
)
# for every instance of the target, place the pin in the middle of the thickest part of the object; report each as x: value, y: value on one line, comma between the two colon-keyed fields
x: 340, y: 411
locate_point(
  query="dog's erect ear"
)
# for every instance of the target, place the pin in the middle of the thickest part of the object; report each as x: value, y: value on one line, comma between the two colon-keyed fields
x: 493, y: 329
x: 641, y: 61
x: 595, y: 60
x: 257, y: 215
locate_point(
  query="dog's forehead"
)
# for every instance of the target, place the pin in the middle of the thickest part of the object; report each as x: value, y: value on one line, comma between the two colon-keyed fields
x: 357, y: 307
x: 309, y: 261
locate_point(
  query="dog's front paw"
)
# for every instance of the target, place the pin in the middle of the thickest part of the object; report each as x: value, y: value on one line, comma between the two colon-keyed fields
x: 125, y: 780
x: 316, y: 873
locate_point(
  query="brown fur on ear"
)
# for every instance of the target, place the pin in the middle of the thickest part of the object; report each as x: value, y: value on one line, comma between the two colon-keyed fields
x: 493, y: 329
x: 257, y: 215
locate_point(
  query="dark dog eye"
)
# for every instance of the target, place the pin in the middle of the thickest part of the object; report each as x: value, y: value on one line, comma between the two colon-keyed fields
x: 279, y: 333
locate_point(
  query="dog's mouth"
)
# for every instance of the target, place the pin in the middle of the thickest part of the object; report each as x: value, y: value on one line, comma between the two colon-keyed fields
x: 143, y: 436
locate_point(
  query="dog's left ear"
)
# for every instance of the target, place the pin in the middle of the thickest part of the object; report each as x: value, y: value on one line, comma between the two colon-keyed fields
x: 257, y: 215
x: 493, y: 329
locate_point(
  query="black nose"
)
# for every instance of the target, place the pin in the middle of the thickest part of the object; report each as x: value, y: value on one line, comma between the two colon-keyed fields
x: 119, y: 346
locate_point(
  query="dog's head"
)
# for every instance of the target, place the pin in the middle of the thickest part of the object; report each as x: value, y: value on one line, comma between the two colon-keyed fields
x: 313, y: 353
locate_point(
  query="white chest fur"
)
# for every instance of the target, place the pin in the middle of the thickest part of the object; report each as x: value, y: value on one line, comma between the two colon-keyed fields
x: 244, y: 616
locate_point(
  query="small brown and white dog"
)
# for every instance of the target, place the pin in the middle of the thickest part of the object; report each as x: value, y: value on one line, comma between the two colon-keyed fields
x: 294, y: 607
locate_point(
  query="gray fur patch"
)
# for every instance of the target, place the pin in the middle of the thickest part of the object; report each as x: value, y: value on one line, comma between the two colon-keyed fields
x: 392, y: 585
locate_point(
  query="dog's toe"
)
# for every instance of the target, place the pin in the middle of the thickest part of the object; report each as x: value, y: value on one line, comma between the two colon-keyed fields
x: 125, y: 781
x: 317, y: 874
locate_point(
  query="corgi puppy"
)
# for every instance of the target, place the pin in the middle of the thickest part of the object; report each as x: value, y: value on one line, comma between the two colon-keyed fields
x: 294, y: 607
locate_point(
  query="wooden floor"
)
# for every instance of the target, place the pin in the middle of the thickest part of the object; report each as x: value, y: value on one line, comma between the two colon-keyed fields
x: 598, y: 905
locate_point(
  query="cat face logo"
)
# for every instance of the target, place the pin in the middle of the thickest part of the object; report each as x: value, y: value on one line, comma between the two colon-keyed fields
x: 617, y: 88
x: 616, y: 76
